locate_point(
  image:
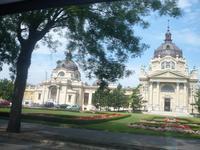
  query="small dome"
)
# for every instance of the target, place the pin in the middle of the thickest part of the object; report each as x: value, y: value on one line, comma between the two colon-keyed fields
x: 67, y: 64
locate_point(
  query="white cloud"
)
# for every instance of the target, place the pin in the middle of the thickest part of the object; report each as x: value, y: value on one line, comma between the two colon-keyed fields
x: 186, y: 5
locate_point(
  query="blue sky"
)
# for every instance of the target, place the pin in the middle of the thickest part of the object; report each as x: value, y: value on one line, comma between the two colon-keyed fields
x: 185, y: 33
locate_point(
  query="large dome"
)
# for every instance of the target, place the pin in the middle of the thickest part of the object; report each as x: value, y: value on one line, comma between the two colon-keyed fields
x: 168, y: 48
x: 67, y: 64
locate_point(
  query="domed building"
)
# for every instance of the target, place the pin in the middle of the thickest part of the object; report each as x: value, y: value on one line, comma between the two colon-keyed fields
x: 167, y: 86
x: 64, y: 87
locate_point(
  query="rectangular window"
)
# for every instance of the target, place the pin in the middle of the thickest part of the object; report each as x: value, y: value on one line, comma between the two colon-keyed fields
x: 86, y: 98
x: 39, y: 96
x: 69, y: 98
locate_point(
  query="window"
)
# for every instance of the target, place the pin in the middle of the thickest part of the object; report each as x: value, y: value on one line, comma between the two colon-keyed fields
x: 86, y: 98
x: 172, y: 65
x: 39, y: 96
x: 167, y: 88
x: 181, y: 86
x: 61, y: 74
x: 154, y: 85
x: 167, y: 47
x: 163, y: 65
x: 168, y: 65
x: 69, y: 98
x: 53, y: 92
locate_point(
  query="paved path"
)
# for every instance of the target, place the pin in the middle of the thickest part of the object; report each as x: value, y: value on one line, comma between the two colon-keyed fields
x: 102, y: 138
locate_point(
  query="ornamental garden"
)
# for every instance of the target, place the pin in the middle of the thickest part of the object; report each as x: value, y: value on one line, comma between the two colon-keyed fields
x: 137, y: 123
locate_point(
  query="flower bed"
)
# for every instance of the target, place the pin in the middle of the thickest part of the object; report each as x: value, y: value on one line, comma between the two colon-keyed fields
x: 67, y: 119
x: 101, y: 116
x: 167, y: 124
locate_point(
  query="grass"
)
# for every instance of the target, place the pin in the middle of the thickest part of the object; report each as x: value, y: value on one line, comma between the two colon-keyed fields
x: 50, y: 111
x: 120, y: 125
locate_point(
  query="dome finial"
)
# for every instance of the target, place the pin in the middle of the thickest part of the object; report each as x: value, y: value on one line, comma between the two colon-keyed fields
x: 168, y: 37
x: 68, y: 55
x: 168, y: 26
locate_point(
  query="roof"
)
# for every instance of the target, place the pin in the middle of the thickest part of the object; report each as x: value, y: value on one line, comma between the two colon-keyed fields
x: 168, y: 48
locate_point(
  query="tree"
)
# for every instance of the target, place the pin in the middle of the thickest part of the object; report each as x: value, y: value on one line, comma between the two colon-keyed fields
x: 100, y: 97
x: 118, y: 98
x: 6, y: 89
x: 136, y: 99
x: 101, y: 34
x: 197, y: 102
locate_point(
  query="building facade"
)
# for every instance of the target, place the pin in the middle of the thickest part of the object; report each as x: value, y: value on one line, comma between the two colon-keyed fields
x: 64, y: 87
x: 167, y: 86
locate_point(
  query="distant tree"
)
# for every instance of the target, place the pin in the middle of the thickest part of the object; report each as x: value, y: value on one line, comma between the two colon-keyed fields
x: 100, y: 98
x: 118, y: 98
x: 101, y: 34
x: 197, y: 102
x: 136, y: 100
x: 6, y: 89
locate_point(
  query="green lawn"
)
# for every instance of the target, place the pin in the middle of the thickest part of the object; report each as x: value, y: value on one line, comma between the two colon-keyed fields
x: 120, y: 125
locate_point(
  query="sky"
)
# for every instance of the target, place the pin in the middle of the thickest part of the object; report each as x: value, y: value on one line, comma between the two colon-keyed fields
x: 185, y: 34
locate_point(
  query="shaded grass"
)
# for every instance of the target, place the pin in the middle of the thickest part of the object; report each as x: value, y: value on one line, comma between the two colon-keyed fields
x: 59, y: 117
x: 50, y: 111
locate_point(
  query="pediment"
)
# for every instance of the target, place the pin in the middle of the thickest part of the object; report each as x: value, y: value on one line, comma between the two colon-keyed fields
x: 168, y: 74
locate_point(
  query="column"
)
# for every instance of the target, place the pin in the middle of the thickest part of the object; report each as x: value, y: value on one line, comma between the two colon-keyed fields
x: 177, y: 96
x: 158, y: 95
x: 185, y: 97
x: 90, y: 99
x: 150, y: 96
x: 57, y: 94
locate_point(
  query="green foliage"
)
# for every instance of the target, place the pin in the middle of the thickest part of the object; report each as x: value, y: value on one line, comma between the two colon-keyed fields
x: 197, y: 102
x: 118, y: 98
x: 115, y: 98
x: 136, y: 100
x: 101, y: 35
x: 101, y: 98
x: 6, y: 89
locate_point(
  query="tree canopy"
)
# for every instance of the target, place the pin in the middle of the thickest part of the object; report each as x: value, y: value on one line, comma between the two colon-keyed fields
x: 6, y: 89
x: 101, y: 35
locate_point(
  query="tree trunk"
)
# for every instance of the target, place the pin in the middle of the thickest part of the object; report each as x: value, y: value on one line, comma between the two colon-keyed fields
x: 23, y: 63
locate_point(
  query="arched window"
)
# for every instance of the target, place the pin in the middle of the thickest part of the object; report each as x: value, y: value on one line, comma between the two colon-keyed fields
x: 167, y: 88
x: 163, y: 65
x: 53, y: 93
x: 61, y: 74
x: 172, y: 65
x: 167, y: 47
x: 168, y: 65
